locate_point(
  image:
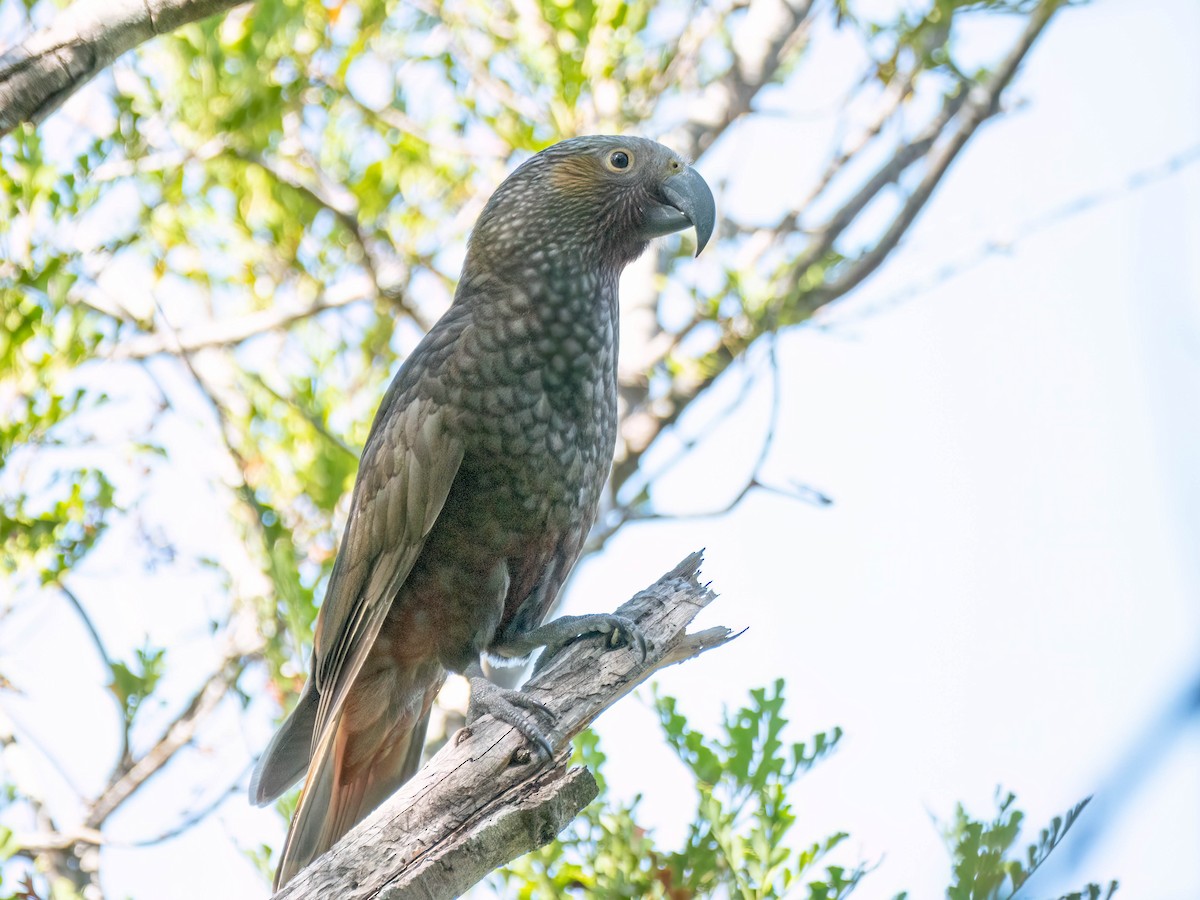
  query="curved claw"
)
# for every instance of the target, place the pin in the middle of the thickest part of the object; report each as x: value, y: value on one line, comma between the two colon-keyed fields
x: 630, y: 634
x: 510, y: 707
x: 522, y: 699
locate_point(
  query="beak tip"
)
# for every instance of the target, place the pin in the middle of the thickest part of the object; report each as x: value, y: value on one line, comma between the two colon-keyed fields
x: 692, y: 202
x: 702, y: 209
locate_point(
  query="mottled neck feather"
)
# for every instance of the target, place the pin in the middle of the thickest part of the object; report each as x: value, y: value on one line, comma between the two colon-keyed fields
x: 551, y: 315
x: 563, y: 283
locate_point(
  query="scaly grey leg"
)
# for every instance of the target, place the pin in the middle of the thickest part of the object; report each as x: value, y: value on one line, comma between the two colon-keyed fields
x: 511, y: 707
x: 557, y: 634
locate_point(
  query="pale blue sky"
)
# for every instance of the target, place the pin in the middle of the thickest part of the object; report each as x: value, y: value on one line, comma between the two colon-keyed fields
x: 1004, y: 591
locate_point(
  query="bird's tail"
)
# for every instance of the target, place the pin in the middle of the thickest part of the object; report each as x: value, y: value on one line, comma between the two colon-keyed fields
x: 286, y: 757
x: 353, y: 770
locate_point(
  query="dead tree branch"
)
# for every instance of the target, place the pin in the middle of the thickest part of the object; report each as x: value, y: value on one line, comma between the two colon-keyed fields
x: 776, y: 28
x: 46, y: 68
x: 479, y: 803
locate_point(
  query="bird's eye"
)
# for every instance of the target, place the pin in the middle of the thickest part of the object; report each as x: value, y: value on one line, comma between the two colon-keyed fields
x: 620, y: 160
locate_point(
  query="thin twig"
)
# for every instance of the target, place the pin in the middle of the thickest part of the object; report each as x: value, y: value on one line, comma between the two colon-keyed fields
x: 755, y: 481
x: 190, y: 819
x: 177, y: 735
x: 231, y: 332
x: 796, y: 302
x: 29, y: 737
x: 981, y: 104
x: 999, y: 246
x: 102, y: 652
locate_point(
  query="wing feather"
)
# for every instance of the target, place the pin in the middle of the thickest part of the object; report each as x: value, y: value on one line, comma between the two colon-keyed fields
x: 409, y: 464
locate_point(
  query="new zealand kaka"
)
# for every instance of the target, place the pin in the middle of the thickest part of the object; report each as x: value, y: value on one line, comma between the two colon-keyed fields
x: 479, y: 481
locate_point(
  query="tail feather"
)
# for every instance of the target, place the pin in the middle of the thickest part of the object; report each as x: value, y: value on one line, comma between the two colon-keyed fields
x: 338, y: 796
x: 286, y: 757
x: 398, y: 763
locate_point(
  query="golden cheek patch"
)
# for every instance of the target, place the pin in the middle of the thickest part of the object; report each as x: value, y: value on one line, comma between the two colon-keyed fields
x: 575, y: 175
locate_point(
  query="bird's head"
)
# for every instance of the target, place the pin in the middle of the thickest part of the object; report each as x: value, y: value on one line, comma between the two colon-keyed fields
x: 596, y: 199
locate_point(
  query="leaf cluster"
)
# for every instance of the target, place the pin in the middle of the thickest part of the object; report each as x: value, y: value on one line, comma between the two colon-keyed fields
x: 740, y: 842
x: 986, y: 862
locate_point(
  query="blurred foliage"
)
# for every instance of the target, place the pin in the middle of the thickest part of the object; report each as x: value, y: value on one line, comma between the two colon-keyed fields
x: 132, y: 685
x: 287, y: 188
x: 740, y: 842
x: 983, y: 863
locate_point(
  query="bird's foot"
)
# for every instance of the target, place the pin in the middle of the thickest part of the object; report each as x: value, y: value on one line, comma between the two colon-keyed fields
x: 617, y: 630
x: 514, y: 708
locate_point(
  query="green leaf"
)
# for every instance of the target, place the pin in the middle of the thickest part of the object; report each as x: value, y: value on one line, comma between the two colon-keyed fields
x: 132, y: 684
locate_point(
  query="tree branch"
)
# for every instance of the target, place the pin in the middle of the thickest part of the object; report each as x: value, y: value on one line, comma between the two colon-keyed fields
x: 479, y: 803
x: 234, y: 331
x: 175, y: 737
x: 72, y: 863
x: 1003, y: 244
x: 797, y: 301
x: 982, y: 103
x: 772, y: 32
x: 773, y: 29
x: 46, y: 68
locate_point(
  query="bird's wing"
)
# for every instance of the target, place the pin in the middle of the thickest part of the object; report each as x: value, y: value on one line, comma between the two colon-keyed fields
x: 407, y: 469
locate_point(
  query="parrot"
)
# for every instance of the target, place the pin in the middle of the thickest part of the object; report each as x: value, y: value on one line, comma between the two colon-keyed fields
x: 478, y: 483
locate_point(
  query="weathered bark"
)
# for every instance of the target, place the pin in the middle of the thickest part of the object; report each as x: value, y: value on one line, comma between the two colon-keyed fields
x: 46, y: 68
x: 480, y: 802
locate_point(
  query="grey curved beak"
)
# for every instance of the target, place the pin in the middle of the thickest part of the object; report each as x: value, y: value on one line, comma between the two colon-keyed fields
x: 691, y: 204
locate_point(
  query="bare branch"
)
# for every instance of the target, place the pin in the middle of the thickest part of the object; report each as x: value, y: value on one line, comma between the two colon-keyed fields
x: 174, y: 738
x: 10, y: 725
x: 191, y: 818
x: 36, y: 842
x: 755, y: 482
x: 887, y: 174
x: 1001, y: 245
x: 33, y: 843
x: 476, y: 805
x: 963, y: 114
x: 772, y: 30
x: 73, y: 863
x: 899, y: 89
x: 231, y: 332
x: 42, y: 71
x: 982, y: 102
x: 770, y: 33
x: 131, y: 774
x: 325, y: 194
x: 707, y: 20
